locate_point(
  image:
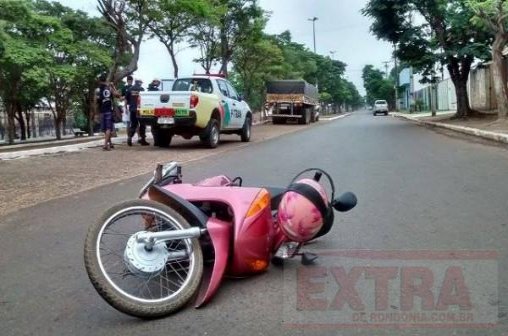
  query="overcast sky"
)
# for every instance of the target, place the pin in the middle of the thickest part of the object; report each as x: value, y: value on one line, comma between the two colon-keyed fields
x: 340, y: 28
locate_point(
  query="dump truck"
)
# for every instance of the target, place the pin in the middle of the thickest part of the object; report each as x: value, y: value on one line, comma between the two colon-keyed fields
x: 291, y: 100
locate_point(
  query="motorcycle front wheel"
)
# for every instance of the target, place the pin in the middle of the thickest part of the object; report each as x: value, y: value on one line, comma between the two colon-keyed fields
x: 146, y: 283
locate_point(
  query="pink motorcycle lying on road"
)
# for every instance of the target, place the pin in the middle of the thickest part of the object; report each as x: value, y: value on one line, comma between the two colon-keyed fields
x: 149, y: 257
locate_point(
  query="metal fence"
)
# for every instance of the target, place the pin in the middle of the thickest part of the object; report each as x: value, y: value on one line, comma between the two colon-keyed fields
x: 42, y: 126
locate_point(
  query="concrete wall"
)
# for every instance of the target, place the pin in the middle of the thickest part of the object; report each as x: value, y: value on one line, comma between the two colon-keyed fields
x: 481, y: 89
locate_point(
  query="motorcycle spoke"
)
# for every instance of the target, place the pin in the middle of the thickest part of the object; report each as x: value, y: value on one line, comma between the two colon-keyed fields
x: 168, y: 281
x: 177, y: 273
x: 174, y: 248
x: 122, y: 275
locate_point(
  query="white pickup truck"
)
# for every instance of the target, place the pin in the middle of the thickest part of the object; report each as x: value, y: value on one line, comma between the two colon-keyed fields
x: 206, y: 106
x: 380, y: 106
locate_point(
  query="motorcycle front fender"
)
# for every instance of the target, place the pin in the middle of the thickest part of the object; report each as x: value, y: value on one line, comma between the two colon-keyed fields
x: 220, y: 234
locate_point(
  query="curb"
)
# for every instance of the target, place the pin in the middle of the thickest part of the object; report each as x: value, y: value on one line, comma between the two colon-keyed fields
x: 493, y: 136
x: 22, y: 154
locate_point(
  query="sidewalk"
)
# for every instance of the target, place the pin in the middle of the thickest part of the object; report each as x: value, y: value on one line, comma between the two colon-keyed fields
x: 487, y: 128
x: 49, y: 142
x: 426, y: 114
x: 21, y: 151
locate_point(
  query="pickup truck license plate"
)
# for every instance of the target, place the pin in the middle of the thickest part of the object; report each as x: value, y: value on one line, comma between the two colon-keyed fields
x: 165, y: 121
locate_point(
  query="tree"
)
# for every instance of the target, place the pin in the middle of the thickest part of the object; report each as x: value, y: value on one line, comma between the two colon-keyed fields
x: 238, y: 21
x: 205, y: 37
x: 171, y: 22
x: 255, y: 62
x: 354, y: 99
x: 377, y: 86
x: 76, y: 56
x: 443, y: 37
x: 23, y: 61
x: 493, y: 15
x: 129, y: 20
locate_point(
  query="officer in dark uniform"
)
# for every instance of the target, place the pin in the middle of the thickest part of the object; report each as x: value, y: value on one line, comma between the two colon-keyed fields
x: 126, y: 88
x: 132, y: 100
x: 154, y: 85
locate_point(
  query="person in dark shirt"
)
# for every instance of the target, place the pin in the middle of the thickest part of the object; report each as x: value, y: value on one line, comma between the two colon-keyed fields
x: 132, y: 100
x: 126, y: 89
x: 105, y: 96
x: 154, y: 85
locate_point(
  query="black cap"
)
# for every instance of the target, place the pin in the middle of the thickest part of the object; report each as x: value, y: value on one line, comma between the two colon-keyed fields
x: 103, y: 77
x: 129, y: 78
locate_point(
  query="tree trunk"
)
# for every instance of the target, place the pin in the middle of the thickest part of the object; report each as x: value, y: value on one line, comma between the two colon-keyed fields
x: 171, y: 52
x: 64, y: 125
x: 58, y: 130
x: 11, y: 124
x: 28, y: 130
x: 498, y: 75
x: 463, y: 108
x: 459, y: 73
x: 90, y: 106
x: 21, y: 121
x: 224, y: 67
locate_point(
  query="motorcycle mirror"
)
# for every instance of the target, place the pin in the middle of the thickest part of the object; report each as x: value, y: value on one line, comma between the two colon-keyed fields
x: 157, y: 174
x: 345, y: 202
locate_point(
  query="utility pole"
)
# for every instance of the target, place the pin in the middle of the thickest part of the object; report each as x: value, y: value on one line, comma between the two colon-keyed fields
x: 396, y: 78
x: 386, y: 68
x: 314, y: 19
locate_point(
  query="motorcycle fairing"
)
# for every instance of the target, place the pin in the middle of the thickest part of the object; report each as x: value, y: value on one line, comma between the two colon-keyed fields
x: 251, y: 238
x: 220, y: 233
x: 189, y: 211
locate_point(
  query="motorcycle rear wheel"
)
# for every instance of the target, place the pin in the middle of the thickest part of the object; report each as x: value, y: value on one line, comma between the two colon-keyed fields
x: 176, y: 287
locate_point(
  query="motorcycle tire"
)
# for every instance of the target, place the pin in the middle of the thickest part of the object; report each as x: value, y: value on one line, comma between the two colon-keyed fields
x: 112, y: 292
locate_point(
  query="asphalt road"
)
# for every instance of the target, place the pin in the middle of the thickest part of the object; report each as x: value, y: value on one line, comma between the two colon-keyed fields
x: 418, y: 190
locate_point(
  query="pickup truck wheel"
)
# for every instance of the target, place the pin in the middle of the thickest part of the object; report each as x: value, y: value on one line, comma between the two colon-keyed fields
x: 162, y: 138
x: 278, y: 121
x: 212, y: 138
x: 246, y: 130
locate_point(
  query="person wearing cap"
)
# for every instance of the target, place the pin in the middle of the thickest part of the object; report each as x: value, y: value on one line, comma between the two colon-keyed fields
x: 154, y: 85
x: 132, y: 96
x: 105, y: 96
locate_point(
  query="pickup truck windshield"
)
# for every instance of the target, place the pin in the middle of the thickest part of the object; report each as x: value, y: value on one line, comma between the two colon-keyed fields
x: 193, y: 84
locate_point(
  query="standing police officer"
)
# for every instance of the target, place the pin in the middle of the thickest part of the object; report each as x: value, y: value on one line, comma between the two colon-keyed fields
x: 132, y: 99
